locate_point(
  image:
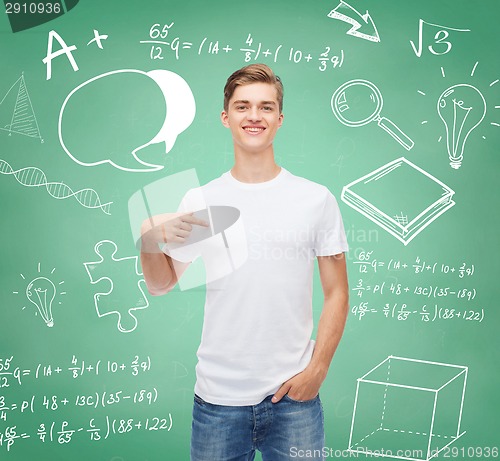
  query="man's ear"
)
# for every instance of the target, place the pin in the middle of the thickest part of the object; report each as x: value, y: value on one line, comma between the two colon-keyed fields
x: 224, y: 118
x: 280, y: 120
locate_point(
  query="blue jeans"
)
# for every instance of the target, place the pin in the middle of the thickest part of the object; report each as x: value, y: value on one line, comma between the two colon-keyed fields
x: 287, y: 430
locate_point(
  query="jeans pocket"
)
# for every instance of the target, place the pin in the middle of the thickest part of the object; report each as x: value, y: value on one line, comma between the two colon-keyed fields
x: 287, y: 397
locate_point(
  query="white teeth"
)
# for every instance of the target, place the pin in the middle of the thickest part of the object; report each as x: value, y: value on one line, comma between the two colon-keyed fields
x: 254, y: 130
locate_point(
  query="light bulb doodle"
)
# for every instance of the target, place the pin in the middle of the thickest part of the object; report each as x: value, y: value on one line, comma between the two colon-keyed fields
x: 359, y: 102
x: 41, y: 292
x: 461, y: 108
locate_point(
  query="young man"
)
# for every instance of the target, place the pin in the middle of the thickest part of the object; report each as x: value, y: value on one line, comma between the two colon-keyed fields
x: 259, y: 372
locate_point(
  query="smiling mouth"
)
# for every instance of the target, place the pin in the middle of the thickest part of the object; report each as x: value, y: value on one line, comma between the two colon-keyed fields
x: 254, y: 129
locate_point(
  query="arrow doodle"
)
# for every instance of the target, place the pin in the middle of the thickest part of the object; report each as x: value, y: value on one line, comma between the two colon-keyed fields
x: 34, y: 177
x: 346, y: 13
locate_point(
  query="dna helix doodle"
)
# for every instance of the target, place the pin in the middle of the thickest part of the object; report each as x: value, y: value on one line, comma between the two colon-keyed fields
x: 34, y: 177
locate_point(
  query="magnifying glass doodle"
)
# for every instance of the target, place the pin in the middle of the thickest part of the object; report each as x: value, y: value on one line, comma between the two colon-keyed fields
x: 359, y: 102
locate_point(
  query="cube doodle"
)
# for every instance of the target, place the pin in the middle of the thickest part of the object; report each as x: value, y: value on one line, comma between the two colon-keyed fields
x: 408, y: 409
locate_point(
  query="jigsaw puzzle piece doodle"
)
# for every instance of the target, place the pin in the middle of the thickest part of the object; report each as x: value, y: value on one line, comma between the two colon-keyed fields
x: 117, y: 295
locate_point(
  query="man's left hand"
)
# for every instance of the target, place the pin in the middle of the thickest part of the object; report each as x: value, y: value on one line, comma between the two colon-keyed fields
x: 303, y: 386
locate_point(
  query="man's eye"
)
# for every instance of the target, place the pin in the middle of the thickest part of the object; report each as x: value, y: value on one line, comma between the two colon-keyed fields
x: 267, y: 108
x: 240, y: 107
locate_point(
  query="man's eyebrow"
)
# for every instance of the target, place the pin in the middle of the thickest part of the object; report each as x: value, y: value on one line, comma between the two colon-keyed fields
x: 245, y: 101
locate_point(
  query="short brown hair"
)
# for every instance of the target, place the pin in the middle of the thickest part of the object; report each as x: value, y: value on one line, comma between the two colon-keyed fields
x: 254, y: 73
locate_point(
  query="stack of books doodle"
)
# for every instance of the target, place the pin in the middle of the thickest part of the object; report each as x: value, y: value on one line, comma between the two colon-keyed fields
x: 400, y: 197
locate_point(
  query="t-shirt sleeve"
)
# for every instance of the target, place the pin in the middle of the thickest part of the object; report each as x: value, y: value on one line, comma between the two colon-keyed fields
x: 330, y: 236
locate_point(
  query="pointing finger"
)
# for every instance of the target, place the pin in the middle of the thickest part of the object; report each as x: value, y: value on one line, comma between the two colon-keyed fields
x: 189, y: 218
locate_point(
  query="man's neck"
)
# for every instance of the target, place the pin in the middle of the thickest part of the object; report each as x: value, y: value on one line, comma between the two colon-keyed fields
x: 255, y: 168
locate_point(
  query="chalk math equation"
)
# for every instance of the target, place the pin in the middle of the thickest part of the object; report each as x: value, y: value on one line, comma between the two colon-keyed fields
x: 76, y: 368
x: 403, y: 311
x: 128, y: 398
x: 162, y: 42
x: 96, y: 429
x: 366, y: 262
x: 36, y: 403
x: 422, y: 289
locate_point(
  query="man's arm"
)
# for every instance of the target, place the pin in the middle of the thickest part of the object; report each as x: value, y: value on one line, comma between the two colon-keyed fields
x: 305, y: 385
x: 158, y: 271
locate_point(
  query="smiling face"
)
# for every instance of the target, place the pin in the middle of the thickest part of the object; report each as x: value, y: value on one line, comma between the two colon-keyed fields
x: 253, y: 116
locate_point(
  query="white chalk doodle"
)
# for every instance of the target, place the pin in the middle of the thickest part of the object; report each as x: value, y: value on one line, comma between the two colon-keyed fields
x: 97, y: 39
x: 34, y: 177
x: 162, y: 41
x: 408, y: 409
x: 20, y: 111
x: 362, y: 24
x: 387, y: 197
x: 42, y: 292
x: 359, y: 102
x: 125, y: 293
x: 461, y: 108
x: 441, y: 44
x: 180, y: 112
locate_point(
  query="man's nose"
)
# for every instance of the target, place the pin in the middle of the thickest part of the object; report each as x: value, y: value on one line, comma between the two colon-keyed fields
x: 254, y: 114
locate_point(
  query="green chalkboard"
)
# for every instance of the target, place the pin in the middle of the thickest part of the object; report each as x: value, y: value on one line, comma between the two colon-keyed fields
x: 394, y: 109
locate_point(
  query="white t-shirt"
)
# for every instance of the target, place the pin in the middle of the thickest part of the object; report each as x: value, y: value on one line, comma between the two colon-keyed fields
x: 258, y: 319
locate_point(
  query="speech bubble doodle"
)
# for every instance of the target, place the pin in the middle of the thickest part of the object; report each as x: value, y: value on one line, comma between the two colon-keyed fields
x: 108, y: 118
x: 181, y: 107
